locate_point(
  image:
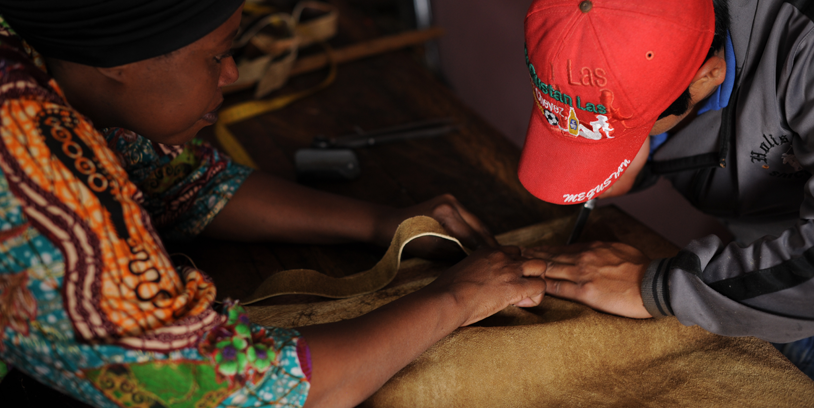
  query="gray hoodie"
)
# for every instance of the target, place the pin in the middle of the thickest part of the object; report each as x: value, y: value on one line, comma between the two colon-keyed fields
x: 749, y: 164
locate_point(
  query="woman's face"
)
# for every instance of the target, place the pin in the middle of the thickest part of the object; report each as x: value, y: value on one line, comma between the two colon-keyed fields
x: 170, y: 98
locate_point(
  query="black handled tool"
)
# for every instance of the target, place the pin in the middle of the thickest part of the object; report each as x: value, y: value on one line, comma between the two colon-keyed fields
x: 427, y: 128
x: 582, y: 218
x: 332, y: 159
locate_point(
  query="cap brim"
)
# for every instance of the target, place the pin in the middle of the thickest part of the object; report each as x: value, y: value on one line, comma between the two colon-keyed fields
x: 563, y: 169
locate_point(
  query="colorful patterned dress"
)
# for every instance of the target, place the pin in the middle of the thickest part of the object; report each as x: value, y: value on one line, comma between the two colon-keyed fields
x: 90, y: 302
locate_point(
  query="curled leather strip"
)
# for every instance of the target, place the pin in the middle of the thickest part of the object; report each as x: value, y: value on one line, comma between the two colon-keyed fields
x: 311, y: 282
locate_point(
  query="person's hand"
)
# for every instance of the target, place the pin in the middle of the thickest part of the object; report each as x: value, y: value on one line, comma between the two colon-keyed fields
x: 606, y: 276
x: 491, y: 279
x: 457, y: 220
x: 353, y: 358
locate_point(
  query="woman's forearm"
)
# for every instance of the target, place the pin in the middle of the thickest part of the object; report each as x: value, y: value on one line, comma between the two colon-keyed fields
x: 268, y: 208
x: 354, y: 358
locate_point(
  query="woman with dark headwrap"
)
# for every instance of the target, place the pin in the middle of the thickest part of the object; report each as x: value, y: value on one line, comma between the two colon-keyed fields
x: 90, y: 302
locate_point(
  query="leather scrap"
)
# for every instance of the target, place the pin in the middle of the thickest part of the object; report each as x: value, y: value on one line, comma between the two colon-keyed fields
x: 271, y: 70
x: 249, y: 109
x: 311, y: 282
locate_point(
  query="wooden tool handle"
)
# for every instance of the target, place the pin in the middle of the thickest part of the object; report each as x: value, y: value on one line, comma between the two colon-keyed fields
x: 355, y: 52
x: 367, y: 48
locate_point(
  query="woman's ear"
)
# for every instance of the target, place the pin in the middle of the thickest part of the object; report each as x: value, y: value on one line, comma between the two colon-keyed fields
x: 708, y: 77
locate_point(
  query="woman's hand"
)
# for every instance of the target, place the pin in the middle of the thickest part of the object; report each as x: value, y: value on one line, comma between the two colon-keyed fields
x: 454, y: 217
x: 606, y: 276
x: 268, y: 208
x: 353, y: 358
x: 491, y: 279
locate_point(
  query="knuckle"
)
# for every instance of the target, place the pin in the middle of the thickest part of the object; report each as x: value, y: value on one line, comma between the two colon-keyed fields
x: 586, y: 258
x: 499, y: 256
x: 443, y: 210
x: 588, y: 291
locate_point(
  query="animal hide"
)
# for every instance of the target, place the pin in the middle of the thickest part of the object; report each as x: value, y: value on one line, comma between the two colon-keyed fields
x: 562, y: 353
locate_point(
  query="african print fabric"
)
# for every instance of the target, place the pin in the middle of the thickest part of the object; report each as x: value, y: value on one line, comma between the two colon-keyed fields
x: 184, y: 187
x: 90, y: 302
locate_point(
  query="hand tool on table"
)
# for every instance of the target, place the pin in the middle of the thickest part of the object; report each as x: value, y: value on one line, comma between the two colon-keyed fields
x: 333, y: 159
x: 582, y: 218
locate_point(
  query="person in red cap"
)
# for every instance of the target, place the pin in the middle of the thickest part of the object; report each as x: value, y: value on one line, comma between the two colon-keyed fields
x: 723, y: 106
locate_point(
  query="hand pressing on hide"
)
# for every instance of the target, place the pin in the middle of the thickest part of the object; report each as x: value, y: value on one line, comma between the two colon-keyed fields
x: 491, y: 279
x: 606, y: 276
x: 353, y: 358
x: 268, y: 208
x: 452, y: 215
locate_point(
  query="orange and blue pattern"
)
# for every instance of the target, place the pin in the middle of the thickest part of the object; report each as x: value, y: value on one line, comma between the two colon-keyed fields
x: 90, y: 302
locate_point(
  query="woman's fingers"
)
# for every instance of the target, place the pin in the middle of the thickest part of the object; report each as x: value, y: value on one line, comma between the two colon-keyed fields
x: 511, y: 250
x: 534, y: 267
x: 478, y: 227
x: 530, y: 302
x: 558, y: 266
x: 491, y: 279
x: 462, y: 224
x: 454, y: 217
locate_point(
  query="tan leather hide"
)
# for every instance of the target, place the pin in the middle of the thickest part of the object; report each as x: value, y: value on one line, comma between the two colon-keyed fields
x: 565, y: 354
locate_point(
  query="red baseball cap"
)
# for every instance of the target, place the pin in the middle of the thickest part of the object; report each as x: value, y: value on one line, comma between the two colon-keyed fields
x: 602, y: 71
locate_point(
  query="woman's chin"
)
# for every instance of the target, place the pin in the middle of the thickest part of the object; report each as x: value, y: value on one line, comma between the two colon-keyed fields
x: 176, y: 139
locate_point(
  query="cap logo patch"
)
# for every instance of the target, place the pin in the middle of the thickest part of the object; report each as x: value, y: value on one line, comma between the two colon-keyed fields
x: 573, y: 123
x: 550, y: 106
x: 597, y: 127
x: 552, y: 112
x: 551, y: 118
x: 590, y: 77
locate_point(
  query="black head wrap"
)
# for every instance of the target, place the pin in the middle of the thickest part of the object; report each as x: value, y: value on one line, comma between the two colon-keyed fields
x: 108, y: 33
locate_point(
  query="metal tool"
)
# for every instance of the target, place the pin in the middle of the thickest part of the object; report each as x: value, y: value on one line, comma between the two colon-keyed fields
x: 332, y: 159
x: 427, y: 128
x: 582, y: 218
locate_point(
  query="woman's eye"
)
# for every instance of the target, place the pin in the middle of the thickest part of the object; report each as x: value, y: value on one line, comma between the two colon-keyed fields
x: 223, y: 56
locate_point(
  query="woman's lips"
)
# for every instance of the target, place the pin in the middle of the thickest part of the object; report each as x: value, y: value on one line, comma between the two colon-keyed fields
x: 212, y: 117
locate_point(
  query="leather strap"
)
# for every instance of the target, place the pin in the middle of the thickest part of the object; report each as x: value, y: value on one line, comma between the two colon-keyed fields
x: 310, y: 282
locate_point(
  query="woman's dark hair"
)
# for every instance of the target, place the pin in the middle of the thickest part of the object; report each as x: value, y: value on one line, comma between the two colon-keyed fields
x: 721, y: 7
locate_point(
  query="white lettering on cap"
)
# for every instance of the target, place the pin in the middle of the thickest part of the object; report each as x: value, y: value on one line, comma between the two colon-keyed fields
x: 574, y: 198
